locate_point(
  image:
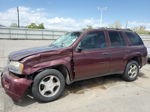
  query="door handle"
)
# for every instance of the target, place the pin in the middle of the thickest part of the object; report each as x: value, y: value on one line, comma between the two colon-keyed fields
x: 105, y: 53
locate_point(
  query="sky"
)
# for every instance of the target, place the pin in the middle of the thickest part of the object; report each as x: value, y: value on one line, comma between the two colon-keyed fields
x: 75, y: 14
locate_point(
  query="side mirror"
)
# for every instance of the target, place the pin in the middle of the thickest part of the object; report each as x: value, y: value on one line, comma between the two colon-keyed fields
x: 79, y: 49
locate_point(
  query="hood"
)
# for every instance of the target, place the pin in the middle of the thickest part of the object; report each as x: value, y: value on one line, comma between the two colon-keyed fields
x: 18, y: 55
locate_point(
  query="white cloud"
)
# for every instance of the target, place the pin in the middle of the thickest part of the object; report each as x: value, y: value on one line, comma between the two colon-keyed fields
x: 136, y: 24
x: 148, y: 29
x: 28, y: 15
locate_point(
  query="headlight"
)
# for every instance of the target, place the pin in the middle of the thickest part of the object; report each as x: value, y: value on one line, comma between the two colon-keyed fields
x: 15, y: 67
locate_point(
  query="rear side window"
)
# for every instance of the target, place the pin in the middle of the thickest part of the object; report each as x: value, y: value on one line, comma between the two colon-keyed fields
x: 134, y: 38
x: 116, y: 39
x: 94, y: 40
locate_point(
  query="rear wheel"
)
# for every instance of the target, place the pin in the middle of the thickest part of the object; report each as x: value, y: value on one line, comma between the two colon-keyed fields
x: 48, y: 85
x: 131, y: 71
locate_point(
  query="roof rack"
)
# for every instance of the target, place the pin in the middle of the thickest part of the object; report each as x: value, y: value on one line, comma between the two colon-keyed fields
x: 116, y: 28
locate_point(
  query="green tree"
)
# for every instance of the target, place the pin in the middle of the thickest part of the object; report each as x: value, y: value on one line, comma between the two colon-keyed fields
x: 36, y: 26
x: 116, y: 24
x: 33, y: 26
x: 41, y: 26
x: 88, y: 27
x: 141, y: 30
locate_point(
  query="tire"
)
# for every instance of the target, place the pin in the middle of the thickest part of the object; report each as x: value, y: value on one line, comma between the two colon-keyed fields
x: 48, y: 85
x: 131, y: 71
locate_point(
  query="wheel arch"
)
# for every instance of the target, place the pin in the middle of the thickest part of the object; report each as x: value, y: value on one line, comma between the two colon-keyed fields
x: 61, y: 68
x: 136, y: 58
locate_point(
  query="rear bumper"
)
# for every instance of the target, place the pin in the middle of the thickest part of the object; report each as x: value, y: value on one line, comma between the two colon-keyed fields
x: 143, y: 61
x: 14, y: 86
x: 148, y: 56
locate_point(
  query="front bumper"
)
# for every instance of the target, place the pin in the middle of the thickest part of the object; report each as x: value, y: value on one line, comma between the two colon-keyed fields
x: 14, y: 86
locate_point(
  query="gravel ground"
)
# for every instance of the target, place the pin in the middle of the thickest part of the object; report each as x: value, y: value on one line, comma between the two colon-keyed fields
x: 107, y: 94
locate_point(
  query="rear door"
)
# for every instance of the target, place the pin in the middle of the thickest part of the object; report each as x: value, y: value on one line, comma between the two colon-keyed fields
x: 117, y: 51
x: 94, y: 58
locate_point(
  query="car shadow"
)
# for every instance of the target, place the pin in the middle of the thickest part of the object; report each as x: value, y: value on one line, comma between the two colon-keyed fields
x: 142, y: 75
x: 80, y: 87
x: 25, y: 101
x: 96, y: 83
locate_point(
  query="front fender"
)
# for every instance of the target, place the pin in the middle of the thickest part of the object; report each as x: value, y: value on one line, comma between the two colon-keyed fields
x: 66, y: 61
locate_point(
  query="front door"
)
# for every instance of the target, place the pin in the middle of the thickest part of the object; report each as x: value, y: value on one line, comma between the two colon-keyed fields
x: 93, y: 59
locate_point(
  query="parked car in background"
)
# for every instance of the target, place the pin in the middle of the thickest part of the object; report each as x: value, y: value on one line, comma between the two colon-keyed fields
x: 148, y: 50
x: 73, y: 57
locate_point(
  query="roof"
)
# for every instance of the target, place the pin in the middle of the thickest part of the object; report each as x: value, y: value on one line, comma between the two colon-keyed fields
x: 111, y: 29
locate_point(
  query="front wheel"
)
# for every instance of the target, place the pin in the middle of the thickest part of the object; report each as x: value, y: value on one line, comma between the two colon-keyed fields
x: 131, y: 71
x: 48, y: 85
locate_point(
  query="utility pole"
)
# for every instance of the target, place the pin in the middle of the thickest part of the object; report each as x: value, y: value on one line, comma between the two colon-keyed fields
x: 126, y: 24
x: 18, y: 17
x: 101, y: 9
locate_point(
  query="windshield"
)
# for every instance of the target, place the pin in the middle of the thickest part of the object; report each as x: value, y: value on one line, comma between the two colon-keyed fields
x: 66, y: 40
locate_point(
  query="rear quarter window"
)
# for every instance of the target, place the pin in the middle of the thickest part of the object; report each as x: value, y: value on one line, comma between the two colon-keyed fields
x: 134, y: 38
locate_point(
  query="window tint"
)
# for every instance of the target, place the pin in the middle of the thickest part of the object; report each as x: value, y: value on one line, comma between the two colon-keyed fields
x: 116, y: 39
x: 134, y: 38
x: 93, y: 40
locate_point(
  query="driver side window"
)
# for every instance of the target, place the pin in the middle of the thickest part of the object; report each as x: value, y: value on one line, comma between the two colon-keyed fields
x: 94, y: 40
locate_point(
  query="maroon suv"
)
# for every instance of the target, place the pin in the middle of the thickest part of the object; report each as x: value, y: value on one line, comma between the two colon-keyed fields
x: 73, y: 57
